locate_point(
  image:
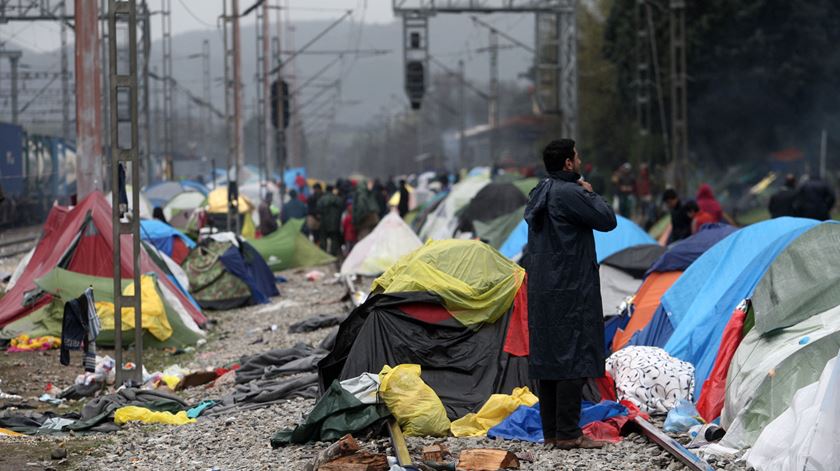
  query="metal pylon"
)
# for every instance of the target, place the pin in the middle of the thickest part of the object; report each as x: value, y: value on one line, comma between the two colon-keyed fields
x: 166, y: 48
x: 122, y: 65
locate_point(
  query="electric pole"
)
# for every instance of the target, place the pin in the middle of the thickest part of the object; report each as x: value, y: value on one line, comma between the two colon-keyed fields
x: 679, y: 101
x: 88, y: 95
x: 462, y: 103
x: 493, y: 104
x: 65, y: 79
x: 168, y: 124
x: 207, y: 120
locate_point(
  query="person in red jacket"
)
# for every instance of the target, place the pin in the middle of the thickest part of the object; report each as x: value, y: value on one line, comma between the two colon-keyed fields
x: 348, y: 229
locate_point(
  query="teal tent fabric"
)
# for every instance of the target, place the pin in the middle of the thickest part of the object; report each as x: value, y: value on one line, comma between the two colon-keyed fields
x: 336, y: 414
x: 701, y: 301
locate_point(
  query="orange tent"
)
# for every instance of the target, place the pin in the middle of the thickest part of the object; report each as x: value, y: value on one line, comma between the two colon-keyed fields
x: 645, y: 303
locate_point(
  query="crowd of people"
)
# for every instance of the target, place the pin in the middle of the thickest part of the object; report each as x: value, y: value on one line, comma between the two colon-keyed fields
x: 337, y: 215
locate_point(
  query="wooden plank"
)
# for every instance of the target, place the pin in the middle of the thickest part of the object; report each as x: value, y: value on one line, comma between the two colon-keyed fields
x: 359, y: 461
x: 486, y: 459
x: 346, y: 445
x: 398, y: 443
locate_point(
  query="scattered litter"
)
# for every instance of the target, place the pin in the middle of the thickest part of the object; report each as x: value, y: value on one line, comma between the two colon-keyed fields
x: 147, y: 416
x: 315, y: 275
x: 50, y: 399
x: 682, y: 417
x: 24, y: 343
x: 416, y: 406
x: 320, y: 321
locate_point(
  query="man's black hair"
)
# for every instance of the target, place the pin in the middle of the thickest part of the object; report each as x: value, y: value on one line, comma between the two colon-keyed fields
x: 316, y: 186
x: 557, y: 152
x: 292, y: 194
x: 670, y: 194
x: 330, y: 188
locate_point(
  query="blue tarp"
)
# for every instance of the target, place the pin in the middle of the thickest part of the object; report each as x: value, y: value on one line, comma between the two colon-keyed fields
x: 161, y: 234
x: 683, y: 253
x: 250, y: 267
x: 611, y: 326
x: 656, y: 333
x: 700, y: 303
x: 626, y: 234
x: 525, y: 423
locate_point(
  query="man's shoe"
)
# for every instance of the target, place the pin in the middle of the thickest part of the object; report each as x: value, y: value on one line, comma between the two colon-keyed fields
x: 580, y: 442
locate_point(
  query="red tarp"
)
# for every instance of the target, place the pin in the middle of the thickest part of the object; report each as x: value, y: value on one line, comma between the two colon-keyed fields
x: 610, y: 430
x: 711, y: 399
x: 92, y: 255
x: 516, y: 340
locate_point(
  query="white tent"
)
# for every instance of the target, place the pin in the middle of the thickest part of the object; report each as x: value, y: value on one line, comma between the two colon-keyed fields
x: 806, y: 435
x: 441, y: 224
x: 389, y: 241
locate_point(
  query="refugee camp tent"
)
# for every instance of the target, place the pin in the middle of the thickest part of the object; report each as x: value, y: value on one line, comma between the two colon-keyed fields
x: 161, y: 193
x: 796, y: 332
x: 621, y: 274
x: 806, y: 434
x: 181, y: 207
x: 450, y: 308
x: 166, y: 321
x: 626, y: 234
x: 217, y: 210
x: 288, y: 248
x: 423, y: 211
x: 441, y: 224
x: 492, y: 201
x: 659, y: 278
x: 167, y: 239
x: 390, y: 240
x: 498, y: 230
x: 145, y: 205
x: 701, y: 302
x: 227, y: 272
x: 79, y: 240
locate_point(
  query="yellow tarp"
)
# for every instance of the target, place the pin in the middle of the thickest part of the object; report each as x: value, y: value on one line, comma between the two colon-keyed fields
x: 414, y: 404
x: 10, y: 433
x: 141, y: 414
x: 217, y: 202
x: 154, y: 312
x: 395, y: 198
x: 492, y: 413
x: 476, y: 282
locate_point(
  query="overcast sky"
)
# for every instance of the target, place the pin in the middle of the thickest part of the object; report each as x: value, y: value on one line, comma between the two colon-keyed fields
x: 189, y: 15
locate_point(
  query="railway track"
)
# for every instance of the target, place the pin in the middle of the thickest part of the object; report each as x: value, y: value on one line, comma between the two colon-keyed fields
x: 18, y: 246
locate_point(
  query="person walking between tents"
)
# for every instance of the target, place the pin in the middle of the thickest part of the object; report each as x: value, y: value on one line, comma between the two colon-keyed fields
x: 565, y: 317
x: 402, y: 206
x: 293, y: 209
x: 365, y: 211
x: 329, y: 209
x: 268, y: 223
x: 313, y: 223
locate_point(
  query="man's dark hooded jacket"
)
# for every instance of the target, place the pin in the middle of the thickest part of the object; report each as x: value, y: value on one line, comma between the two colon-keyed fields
x: 565, y: 317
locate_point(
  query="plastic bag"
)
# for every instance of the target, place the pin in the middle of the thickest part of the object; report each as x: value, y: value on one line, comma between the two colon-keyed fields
x: 415, y: 405
x: 682, y: 417
x: 492, y: 413
x: 141, y: 414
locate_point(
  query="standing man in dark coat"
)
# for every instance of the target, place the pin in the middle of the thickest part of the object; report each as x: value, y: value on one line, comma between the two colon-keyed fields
x: 329, y: 212
x: 565, y: 318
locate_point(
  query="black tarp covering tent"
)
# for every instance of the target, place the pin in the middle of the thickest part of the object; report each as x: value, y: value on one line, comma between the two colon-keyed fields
x: 464, y: 365
x: 635, y: 260
x: 491, y: 202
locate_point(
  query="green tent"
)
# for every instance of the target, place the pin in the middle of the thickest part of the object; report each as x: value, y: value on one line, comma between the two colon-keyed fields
x: 47, y: 320
x: 211, y: 285
x: 525, y: 185
x: 797, y: 331
x: 496, y: 231
x: 288, y: 248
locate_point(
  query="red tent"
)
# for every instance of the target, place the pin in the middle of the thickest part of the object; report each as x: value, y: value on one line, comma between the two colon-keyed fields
x: 80, y: 240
